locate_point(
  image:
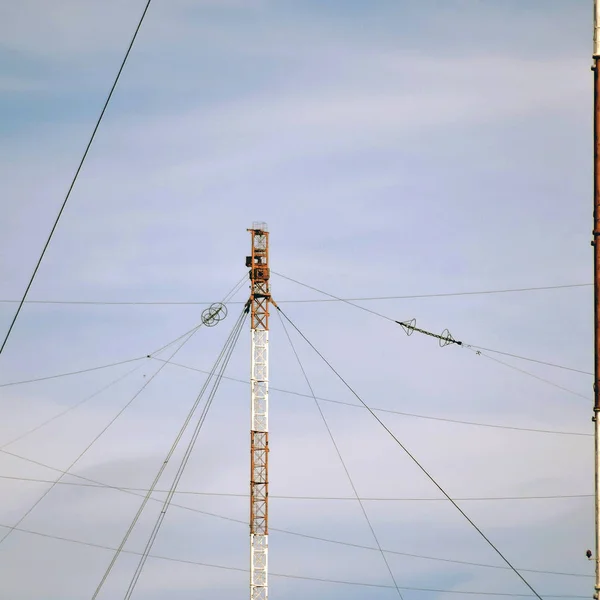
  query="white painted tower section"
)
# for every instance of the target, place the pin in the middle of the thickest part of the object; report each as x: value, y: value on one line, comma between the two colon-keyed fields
x: 259, y: 542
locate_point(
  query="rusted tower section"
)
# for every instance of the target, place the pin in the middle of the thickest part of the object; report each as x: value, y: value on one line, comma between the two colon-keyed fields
x: 596, y: 245
x: 260, y: 298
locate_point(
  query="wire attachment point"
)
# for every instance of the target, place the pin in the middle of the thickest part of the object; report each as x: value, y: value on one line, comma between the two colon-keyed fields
x: 214, y: 314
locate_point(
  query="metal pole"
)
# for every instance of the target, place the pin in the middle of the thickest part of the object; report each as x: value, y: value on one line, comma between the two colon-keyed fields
x: 596, y: 245
x: 260, y: 298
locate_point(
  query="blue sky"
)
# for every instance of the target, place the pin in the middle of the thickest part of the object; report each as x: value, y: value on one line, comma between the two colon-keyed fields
x: 394, y: 148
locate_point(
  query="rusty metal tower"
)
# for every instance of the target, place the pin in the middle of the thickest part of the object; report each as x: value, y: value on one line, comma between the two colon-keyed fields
x: 596, y: 245
x: 260, y: 298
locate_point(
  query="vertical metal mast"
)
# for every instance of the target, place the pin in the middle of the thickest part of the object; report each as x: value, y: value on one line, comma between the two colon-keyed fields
x: 260, y: 297
x: 596, y: 245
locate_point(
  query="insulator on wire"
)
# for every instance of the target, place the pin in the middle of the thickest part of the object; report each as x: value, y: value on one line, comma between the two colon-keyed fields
x: 409, y: 326
x: 214, y: 314
x: 446, y: 339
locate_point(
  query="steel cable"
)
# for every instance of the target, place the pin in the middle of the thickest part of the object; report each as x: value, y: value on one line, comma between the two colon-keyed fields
x: 167, y: 459
x: 410, y: 455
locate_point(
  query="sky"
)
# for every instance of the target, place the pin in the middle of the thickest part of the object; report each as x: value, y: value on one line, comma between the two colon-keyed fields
x: 395, y: 148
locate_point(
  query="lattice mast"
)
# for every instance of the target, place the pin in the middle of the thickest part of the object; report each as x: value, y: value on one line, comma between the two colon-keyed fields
x: 260, y: 298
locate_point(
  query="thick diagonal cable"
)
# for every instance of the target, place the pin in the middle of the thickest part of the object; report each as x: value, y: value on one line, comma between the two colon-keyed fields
x: 185, y: 459
x: 410, y: 455
x: 104, y: 430
x: 168, y: 456
x: 153, y: 355
x: 68, y: 195
x: 341, y: 458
